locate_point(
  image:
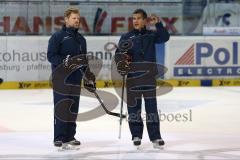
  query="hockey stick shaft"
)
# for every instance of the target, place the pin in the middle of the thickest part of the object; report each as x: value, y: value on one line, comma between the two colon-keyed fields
x: 105, y: 108
x: 121, y: 109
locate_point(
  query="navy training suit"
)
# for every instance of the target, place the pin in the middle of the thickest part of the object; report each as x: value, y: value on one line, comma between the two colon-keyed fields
x: 65, y: 42
x: 143, y: 50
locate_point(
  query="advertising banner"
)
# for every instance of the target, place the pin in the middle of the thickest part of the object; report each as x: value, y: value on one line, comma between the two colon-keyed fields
x: 96, y: 18
x: 24, y: 58
x: 203, y: 58
x: 221, y: 31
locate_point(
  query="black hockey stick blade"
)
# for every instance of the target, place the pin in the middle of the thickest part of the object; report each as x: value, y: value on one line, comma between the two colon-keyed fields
x: 116, y: 114
x: 105, y: 109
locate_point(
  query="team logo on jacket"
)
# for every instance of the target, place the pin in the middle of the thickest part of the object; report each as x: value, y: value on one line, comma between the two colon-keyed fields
x: 206, y: 59
x: 67, y: 37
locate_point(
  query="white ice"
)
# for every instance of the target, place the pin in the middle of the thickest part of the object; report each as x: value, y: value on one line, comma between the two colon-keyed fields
x: 210, y: 130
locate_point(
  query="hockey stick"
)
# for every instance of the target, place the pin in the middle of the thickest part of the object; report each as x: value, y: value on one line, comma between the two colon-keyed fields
x: 100, y: 101
x: 121, y: 110
x: 105, y: 109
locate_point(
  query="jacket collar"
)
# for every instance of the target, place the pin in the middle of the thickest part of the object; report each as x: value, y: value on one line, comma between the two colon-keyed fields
x: 142, y: 31
x: 71, y: 30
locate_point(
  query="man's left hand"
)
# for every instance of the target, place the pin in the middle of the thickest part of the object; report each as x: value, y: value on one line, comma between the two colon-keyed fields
x: 89, y: 82
x: 154, y: 19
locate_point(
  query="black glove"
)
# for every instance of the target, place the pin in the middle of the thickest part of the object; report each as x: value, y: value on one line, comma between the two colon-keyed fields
x: 123, y: 67
x: 122, y: 56
x: 89, y: 81
x: 123, y: 60
x: 74, y: 62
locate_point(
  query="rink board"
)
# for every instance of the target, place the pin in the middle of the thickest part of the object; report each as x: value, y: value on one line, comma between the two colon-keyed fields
x: 190, y: 61
x: 109, y: 84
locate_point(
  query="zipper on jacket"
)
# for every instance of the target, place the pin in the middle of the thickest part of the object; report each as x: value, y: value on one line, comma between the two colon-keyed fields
x: 141, y: 47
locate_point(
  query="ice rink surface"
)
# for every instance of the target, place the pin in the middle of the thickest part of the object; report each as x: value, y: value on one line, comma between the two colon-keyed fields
x: 207, y: 127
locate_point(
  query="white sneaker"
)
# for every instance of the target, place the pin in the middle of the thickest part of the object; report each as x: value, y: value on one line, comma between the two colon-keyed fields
x: 75, y: 142
x: 68, y: 146
x: 158, y: 143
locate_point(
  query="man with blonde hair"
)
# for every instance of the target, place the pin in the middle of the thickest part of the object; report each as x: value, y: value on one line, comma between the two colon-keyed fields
x: 63, y: 48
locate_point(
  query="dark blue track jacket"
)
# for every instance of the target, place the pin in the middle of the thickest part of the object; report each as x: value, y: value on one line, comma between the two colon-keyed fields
x: 144, y: 41
x: 65, y: 42
x: 143, y: 44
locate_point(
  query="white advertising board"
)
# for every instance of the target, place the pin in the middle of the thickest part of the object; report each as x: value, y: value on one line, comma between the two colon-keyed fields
x: 203, y: 57
x: 23, y: 58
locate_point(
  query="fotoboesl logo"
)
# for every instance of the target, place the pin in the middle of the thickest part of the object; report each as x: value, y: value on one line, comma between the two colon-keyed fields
x: 195, y: 61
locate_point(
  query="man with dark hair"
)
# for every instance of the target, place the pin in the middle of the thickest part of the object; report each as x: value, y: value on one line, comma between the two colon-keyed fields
x: 142, y: 12
x: 63, y: 48
x: 143, y: 52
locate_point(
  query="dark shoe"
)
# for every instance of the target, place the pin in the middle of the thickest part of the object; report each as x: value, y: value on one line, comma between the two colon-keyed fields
x: 57, y: 143
x: 137, y: 141
x: 158, y: 143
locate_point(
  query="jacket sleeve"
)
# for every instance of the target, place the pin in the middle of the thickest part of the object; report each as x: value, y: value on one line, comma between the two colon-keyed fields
x: 161, y: 34
x: 85, y: 68
x: 53, y: 55
x: 118, y: 57
x: 85, y: 47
